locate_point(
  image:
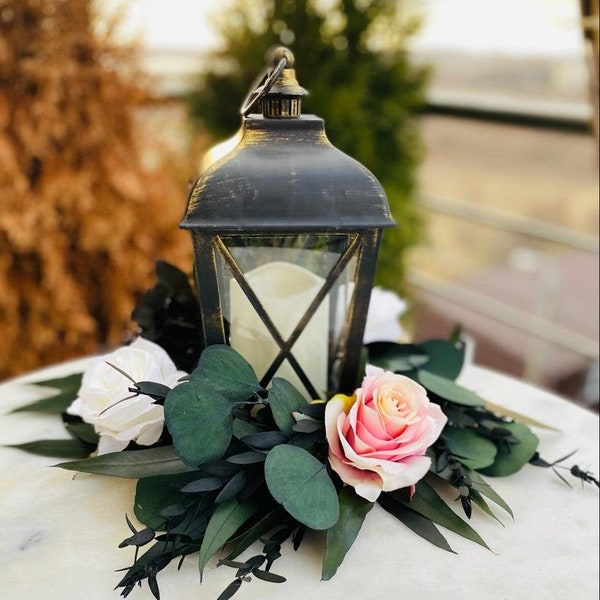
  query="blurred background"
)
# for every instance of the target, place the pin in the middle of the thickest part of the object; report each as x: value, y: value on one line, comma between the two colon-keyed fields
x: 480, y: 120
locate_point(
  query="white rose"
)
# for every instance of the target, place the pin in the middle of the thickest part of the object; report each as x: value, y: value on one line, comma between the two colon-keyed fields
x: 385, y: 308
x: 136, y: 419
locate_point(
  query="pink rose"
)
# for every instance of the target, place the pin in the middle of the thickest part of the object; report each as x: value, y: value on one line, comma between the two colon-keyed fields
x: 378, y: 437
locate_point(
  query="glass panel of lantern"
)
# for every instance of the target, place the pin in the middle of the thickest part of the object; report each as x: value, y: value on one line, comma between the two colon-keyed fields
x: 284, y: 303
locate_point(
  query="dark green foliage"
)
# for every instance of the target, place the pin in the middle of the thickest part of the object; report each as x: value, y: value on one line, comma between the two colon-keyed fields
x: 168, y: 314
x: 360, y: 81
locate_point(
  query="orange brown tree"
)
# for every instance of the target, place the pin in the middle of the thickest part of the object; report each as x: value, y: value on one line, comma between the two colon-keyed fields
x: 81, y: 220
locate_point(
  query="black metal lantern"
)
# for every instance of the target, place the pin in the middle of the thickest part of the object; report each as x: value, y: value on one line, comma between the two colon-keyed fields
x: 286, y: 230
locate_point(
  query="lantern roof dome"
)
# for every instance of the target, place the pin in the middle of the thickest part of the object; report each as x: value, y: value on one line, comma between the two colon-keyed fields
x: 285, y: 176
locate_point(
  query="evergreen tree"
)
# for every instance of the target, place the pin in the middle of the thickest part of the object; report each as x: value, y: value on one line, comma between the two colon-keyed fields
x: 352, y: 58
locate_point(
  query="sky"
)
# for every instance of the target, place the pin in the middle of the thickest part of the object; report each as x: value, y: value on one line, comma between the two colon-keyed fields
x: 527, y: 27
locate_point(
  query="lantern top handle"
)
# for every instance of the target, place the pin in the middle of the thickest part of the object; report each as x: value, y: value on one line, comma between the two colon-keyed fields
x: 276, y: 89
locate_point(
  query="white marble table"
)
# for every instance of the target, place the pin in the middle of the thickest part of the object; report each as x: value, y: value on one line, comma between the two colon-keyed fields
x: 59, y: 532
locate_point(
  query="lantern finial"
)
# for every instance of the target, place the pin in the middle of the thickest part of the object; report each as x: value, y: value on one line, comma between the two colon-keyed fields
x: 279, y: 93
x: 283, y: 97
x: 283, y: 52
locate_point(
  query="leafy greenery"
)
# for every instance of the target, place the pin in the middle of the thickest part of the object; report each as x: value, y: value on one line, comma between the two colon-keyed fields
x: 168, y: 314
x: 250, y: 465
x: 83, y: 437
x: 300, y: 482
x: 352, y: 58
x: 68, y: 448
x: 132, y: 464
x: 66, y: 391
x: 341, y: 536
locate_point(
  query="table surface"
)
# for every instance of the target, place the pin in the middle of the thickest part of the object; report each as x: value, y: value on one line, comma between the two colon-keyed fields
x: 60, y: 532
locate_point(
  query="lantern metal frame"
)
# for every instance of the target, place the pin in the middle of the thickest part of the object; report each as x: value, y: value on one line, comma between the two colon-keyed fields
x: 284, y: 178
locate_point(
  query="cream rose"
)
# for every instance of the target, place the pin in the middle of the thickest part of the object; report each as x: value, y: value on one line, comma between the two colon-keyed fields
x: 378, y: 437
x: 136, y: 419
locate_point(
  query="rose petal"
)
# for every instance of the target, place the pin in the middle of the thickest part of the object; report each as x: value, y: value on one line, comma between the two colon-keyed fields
x: 367, y: 484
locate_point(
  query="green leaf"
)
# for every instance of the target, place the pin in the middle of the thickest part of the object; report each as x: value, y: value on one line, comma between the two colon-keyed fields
x: 300, y: 482
x: 242, y: 428
x: 340, y: 537
x: 513, y: 457
x: 396, y: 357
x: 479, y: 500
x: 200, y: 422
x: 152, y: 494
x: 268, y: 576
x: 175, y: 278
x: 471, y: 449
x: 227, y: 373
x: 228, y: 517
x: 67, y: 387
x: 271, y: 520
x: 131, y: 464
x: 421, y: 525
x: 284, y: 399
x: 446, y: 357
x: 80, y: 430
x: 448, y: 390
x: 480, y: 484
x: 428, y: 503
x: 71, y: 448
x: 265, y: 440
x: 436, y: 480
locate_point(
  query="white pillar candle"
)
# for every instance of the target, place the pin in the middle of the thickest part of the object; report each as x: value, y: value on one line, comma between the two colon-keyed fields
x: 285, y: 290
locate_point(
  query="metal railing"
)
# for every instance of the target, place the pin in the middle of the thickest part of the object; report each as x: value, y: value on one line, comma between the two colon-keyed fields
x: 538, y: 325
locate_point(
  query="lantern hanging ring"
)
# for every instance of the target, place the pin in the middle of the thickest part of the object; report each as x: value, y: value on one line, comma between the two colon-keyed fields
x: 266, y: 82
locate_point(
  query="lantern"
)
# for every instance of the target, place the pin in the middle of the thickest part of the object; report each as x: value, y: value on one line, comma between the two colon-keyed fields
x: 286, y: 230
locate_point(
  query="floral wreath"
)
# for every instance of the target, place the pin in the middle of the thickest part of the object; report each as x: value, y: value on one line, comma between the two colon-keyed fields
x: 223, y: 463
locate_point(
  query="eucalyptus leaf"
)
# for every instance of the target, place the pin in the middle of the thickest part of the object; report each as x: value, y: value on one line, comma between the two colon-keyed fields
x: 70, y: 448
x: 478, y: 483
x: 512, y: 457
x: 265, y: 440
x: 316, y: 410
x: 398, y: 358
x: 428, y: 503
x: 446, y: 357
x: 226, y: 372
x: 153, y: 494
x: 307, y: 426
x: 421, y: 525
x: 269, y: 521
x: 68, y: 383
x: 247, y: 458
x: 230, y: 590
x: 480, y: 501
x: 473, y: 450
x: 285, y: 399
x: 448, y: 390
x: 300, y: 482
x: 242, y: 428
x: 268, y: 576
x: 156, y: 391
x: 233, y: 487
x: 67, y: 390
x: 131, y: 464
x: 340, y: 537
x: 204, y: 484
x: 199, y: 421
x: 227, y: 518
x: 80, y: 430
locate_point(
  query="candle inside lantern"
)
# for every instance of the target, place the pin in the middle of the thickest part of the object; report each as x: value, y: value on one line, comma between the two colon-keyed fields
x: 285, y: 291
